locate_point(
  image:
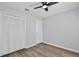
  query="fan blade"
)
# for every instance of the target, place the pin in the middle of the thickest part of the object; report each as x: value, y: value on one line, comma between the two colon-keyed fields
x: 44, y: 3
x: 46, y: 9
x: 51, y: 3
x: 38, y: 7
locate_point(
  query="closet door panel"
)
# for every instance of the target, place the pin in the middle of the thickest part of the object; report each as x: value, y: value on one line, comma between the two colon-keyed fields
x: 31, y: 33
x: 12, y: 34
x: 20, y: 40
x: 39, y: 32
x: 3, y: 35
x: 16, y: 34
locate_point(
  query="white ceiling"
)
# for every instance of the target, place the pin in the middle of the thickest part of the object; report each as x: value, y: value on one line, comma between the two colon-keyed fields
x: 54, y: 9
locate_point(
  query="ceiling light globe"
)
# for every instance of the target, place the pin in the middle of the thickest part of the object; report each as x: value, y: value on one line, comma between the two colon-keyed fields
x: 44, y: 6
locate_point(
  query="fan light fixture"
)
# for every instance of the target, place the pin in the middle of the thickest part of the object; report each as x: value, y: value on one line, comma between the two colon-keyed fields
x: 44, y: 6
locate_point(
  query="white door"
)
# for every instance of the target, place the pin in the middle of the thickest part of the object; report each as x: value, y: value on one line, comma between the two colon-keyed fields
x: 16, y: 34
x: 20, y: 32
x: 31, y: 33
x: 3, y: 35
x: 34, y: 31
x: 39, y: 31
x: 12, y: 34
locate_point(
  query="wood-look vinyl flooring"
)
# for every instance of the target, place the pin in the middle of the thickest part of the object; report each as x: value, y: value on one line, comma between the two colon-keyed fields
x: 43, y: 50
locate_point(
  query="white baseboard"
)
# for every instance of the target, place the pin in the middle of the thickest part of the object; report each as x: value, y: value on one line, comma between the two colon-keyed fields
x: 30, y: 46
x: 62, y: 47
x: 55, y: 45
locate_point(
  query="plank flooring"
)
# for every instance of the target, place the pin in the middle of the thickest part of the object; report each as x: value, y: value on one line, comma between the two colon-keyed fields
x: 42, y: 50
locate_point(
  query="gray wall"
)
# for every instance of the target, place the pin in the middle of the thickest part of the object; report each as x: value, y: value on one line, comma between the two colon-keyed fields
x: 63, y: 29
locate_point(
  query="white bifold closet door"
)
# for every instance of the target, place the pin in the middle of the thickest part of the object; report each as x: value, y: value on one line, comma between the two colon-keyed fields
x: 3, y: 35
x: 12, y: 34
x: 34, y: 31
x: 39, y: 31
x: 16, y: 30
x: 31, y: 41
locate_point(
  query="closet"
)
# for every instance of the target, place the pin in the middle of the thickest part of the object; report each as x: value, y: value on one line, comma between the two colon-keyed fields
x: 17, y: 33
x: 12, y: 34
x: 34, y: 31
x: 3, y: 35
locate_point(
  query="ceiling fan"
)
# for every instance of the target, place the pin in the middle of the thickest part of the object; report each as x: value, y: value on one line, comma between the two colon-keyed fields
x: 45, y: 5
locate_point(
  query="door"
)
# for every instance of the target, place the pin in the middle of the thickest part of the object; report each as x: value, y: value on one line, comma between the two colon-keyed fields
x: 31, y: 32
x: 20, y: 32
x: 12, y: 27
x: 39, y: 32
x: 3, y: 35
x: 34, y: 31
x: 16, y: 34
